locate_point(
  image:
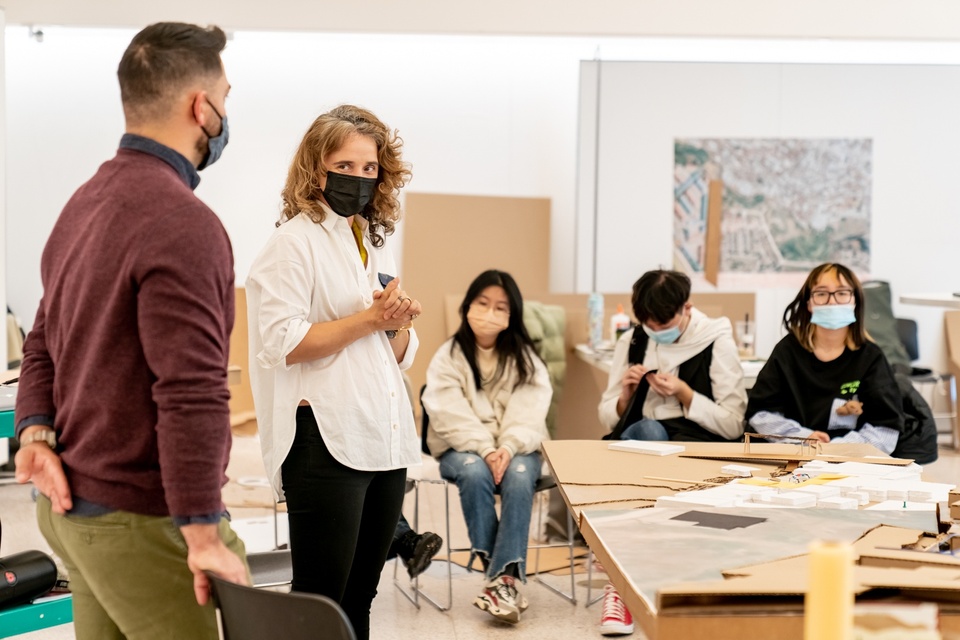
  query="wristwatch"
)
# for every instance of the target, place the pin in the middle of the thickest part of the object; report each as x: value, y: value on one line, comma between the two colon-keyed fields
x: 47, y: 436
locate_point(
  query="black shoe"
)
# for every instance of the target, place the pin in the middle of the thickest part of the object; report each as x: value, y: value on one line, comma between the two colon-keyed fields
x: 417, y: 550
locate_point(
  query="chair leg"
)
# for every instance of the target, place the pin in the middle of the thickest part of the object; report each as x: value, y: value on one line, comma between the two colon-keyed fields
x: 954, y: 423
x: 590, y: 599
x: 570, y: 597
x: 414, y: 593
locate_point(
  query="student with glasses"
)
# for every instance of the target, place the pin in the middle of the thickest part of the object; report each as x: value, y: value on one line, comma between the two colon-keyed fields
x: 826, y: 379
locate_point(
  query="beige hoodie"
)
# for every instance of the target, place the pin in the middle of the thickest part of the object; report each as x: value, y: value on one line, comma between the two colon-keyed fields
x: 466, y: 419
x: 723, y: 415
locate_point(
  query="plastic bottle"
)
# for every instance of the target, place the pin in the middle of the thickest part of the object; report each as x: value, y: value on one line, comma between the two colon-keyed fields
x: 619, y: 322
x: 595, y: 320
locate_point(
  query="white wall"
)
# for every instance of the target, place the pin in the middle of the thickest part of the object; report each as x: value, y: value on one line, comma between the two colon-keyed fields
x: 890, y: 19
x: 484, y: 116
x: 908, y: 111
x: 480, y: 115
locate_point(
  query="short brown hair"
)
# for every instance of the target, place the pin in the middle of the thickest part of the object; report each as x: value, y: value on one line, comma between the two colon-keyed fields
x: 161, y: 61
x: 326, y: 135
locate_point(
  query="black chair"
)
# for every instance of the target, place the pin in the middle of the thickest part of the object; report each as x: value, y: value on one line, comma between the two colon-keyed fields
x: 247, y: 613
x: 271, y: 568
x: 931, y: 384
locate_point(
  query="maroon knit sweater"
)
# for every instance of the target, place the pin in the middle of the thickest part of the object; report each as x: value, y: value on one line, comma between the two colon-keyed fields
x: 129, y: 347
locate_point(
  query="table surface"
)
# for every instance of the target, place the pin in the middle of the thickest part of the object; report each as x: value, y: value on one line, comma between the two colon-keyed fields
x: 932, y: 299
x: 592, y: 477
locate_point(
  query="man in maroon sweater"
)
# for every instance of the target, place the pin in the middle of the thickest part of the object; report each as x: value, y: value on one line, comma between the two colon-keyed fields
x: 122, y: 408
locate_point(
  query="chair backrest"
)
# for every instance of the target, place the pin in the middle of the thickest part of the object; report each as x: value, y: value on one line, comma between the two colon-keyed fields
x: 424, y: 423
x: 881, y: 325
x: 253, y: 614
x: 271, y: 568
x: 907, y: 330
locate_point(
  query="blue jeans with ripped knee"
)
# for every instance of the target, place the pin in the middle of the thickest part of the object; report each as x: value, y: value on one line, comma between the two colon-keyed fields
x: 500, y: 541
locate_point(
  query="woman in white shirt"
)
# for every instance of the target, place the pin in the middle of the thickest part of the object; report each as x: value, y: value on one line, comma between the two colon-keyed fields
x: 330, y: 332
x: 487, y: 397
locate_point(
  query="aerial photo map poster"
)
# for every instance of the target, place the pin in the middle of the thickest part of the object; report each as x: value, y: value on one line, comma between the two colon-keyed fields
x: 787, y: 205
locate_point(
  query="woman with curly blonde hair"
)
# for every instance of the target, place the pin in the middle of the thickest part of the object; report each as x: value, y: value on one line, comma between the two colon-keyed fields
x: 330, y: 332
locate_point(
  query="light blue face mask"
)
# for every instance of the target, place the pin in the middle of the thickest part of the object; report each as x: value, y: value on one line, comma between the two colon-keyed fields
x: 833, y: 316
x: 664, y: 336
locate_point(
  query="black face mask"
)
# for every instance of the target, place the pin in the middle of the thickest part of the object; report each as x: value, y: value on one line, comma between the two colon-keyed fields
x: 348, y: 195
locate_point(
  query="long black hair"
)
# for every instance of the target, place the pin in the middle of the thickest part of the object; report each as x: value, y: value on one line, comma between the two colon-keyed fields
x: 513, y: 343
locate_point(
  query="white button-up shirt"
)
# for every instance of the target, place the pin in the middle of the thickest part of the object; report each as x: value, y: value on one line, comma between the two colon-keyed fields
x: 310, y: 273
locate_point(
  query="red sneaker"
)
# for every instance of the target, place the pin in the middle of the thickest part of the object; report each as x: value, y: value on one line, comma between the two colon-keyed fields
x: 615, y: 619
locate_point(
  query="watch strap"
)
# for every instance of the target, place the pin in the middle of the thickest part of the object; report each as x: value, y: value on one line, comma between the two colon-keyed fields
x: 46, y: 436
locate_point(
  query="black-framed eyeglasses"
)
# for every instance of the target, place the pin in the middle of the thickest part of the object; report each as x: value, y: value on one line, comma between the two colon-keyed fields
x: 840, y: 296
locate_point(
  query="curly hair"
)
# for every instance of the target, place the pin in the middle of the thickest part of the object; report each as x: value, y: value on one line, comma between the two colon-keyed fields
x: 327, y: 134
x: 797, y: 317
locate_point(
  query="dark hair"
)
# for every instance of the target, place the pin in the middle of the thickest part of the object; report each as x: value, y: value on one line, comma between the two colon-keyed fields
x: 513, y: 343
x: 161, y: 61
x: 797, y: 316
x: 660, y: 295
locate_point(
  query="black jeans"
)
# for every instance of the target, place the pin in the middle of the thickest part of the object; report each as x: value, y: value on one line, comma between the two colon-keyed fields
x: 341, y: 523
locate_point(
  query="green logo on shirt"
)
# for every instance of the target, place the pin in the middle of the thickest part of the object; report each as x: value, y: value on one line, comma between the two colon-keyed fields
x: 849, y: 388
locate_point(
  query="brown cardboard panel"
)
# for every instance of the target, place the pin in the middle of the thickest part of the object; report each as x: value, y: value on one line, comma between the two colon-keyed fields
x: 761, y: 601
x: 594, y: 477
x: 448, y: 240
x: 795, y: 457
x: 241, y: 396
x: 730, y: 625
x: 711, y: 258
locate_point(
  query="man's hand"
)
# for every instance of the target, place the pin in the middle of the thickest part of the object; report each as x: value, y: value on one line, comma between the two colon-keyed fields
x: 39, y: 464
x: 631, y: 380
x: 669, y: 385
x: 822, y: 436
x: 206, y: 551
x: 498, y: 461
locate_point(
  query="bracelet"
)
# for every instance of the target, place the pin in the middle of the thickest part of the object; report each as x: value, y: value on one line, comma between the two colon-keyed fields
x: 393, y: 333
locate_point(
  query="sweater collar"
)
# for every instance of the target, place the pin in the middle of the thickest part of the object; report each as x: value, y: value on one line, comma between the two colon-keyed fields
x: 183, y: 167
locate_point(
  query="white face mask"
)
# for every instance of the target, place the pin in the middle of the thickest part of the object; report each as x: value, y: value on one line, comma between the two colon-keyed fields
x: 486, y: 324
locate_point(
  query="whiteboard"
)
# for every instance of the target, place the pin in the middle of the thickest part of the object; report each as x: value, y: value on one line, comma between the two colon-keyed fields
x: 631, y: 113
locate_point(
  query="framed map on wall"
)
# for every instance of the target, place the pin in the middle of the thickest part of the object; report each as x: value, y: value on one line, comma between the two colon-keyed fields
x: 768, y: 206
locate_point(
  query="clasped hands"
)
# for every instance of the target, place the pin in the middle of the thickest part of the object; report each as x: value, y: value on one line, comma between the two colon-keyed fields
x: 393, y: 309
x: 498, y: 461
x: 663, y: 384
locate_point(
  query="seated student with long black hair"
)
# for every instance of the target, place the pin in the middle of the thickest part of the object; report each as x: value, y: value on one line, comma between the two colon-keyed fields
x: 826, y: 379
x: 487, y: 395
x: 675, y: 377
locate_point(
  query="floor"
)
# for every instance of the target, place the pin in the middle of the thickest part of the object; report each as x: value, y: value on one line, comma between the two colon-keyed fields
x: 393, y: 616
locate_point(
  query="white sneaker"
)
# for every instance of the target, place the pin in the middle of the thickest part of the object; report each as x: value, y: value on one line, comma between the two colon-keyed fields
x: 500, y: 599
x: 615, y: 619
